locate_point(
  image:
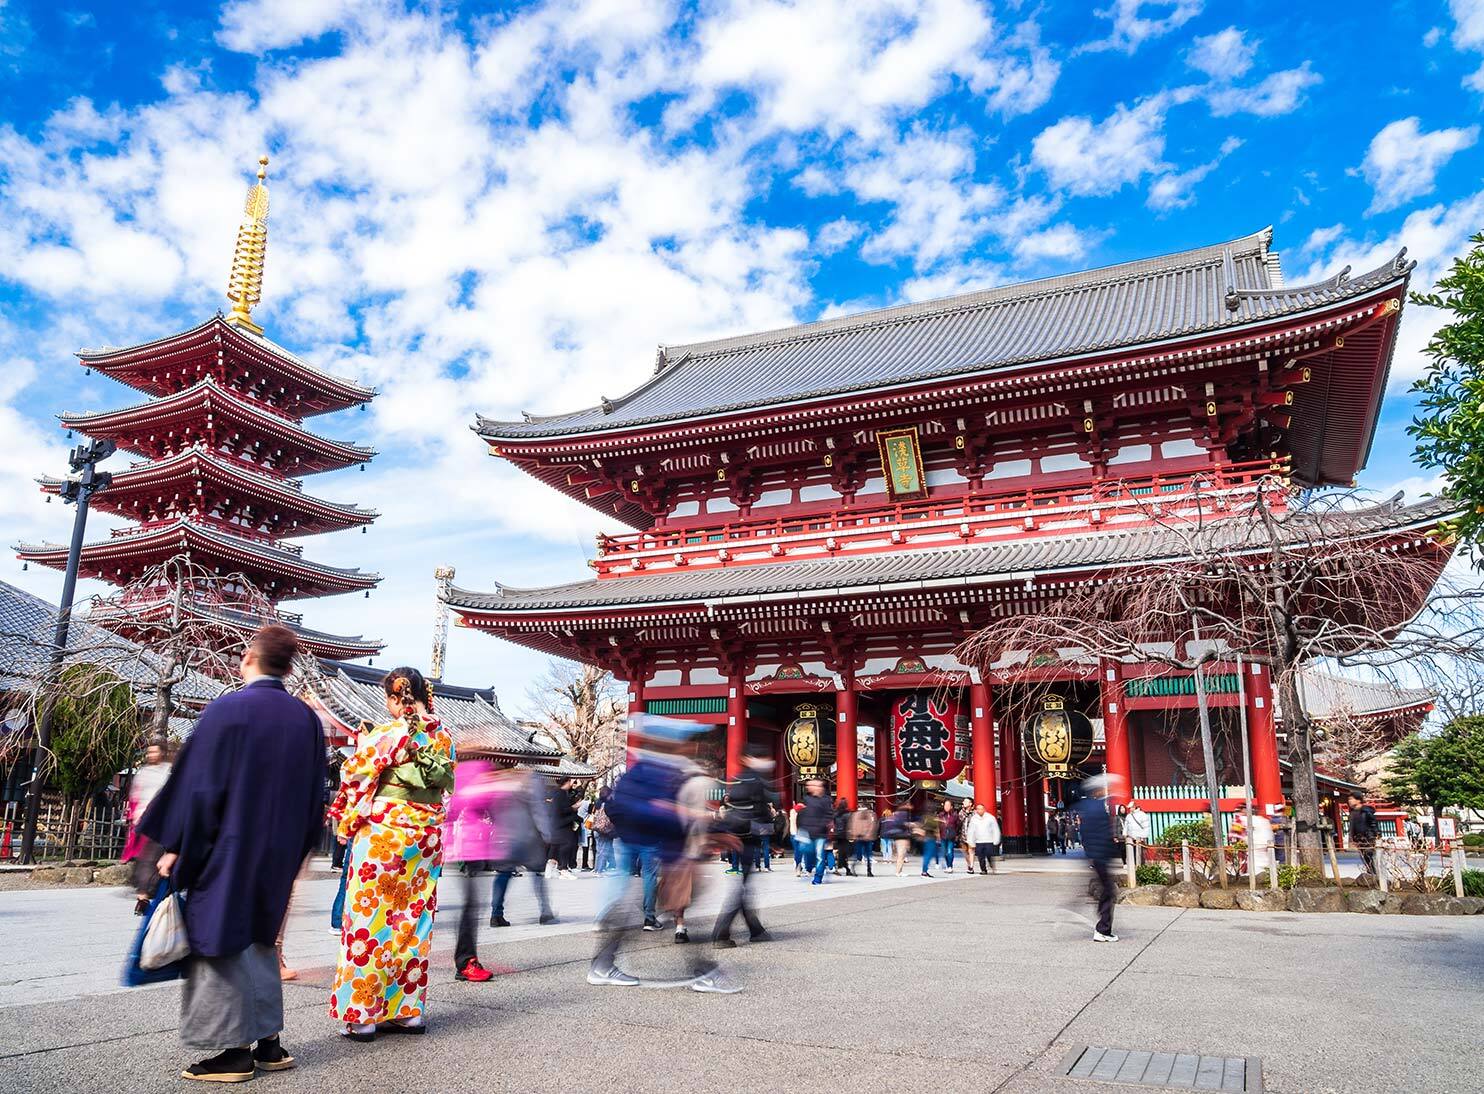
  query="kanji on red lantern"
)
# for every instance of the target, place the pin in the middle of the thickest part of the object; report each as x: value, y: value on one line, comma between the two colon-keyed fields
x: 924, y: 738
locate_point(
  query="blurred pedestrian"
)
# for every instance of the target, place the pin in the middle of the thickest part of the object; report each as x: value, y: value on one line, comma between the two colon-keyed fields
x: 965, y: 813
x: 781, y: 837
x: 678, y: 881
x: 1097, y: 841
x: 843, y: 845
x: 647, y: 816
x: 470, y: 826
x: 862, y: 828
x: 144, y: 852
x: 931, y: 827
x: 816, y: 821
x: 897, y: 828
x: 984, y: 833
x: 563, y: 825
x: 243, y: 807
x: 1363, y: 832
x: 947, y: 834
x: 602, y: 832
x: 748, y: 799
x: 799, y: 841
x: 521, y: 834
x: 391, y: 809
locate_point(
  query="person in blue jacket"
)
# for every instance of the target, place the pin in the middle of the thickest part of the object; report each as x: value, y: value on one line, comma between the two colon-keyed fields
x: 1097, y: 842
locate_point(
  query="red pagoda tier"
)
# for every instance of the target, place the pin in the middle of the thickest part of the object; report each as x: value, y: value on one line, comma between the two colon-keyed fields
x: 824, y: 513
x: 223, y: 446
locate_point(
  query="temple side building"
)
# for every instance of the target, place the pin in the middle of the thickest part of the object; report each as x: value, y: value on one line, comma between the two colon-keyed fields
x: 822, y: 514
x: 223, y: 449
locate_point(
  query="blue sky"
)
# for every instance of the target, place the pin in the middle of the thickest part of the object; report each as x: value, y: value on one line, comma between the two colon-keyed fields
x: 503, y: 207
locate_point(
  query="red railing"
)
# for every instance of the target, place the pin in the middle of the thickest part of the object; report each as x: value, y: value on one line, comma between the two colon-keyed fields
x: 908, y: 520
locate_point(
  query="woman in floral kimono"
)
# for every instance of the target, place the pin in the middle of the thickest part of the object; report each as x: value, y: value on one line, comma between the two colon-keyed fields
x: 390, y: 810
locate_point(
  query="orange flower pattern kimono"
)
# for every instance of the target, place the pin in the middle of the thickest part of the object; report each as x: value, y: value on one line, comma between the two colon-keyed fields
x: 394, y: 856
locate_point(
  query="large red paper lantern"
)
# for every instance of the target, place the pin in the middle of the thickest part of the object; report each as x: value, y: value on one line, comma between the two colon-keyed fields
x: 926, y: 737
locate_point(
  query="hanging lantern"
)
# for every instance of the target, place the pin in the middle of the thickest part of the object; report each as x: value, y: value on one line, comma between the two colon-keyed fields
x: 1057, y: 738
x: 808, y: 742
x: 927, y: 738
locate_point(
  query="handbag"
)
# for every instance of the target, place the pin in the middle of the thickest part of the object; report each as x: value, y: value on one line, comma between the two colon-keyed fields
x: 136, y: 973
x: 165, y: 941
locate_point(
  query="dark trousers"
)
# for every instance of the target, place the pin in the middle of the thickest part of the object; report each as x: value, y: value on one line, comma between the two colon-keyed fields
x: 863, y: 852
x: 984, y: 852
x: 502, y: 883
x: 1105, y: 896
x: 737, y: 901
x: 467, y: 944
x: 1367, y: 856
x: 587, y: 852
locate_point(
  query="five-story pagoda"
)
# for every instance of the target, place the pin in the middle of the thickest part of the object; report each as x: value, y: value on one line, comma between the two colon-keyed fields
x: 223, y: 446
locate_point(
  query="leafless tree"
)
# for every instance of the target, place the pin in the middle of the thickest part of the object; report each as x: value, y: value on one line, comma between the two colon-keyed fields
x: 581, y: 707
x: 1346, y: 742
x: 1276, y: 576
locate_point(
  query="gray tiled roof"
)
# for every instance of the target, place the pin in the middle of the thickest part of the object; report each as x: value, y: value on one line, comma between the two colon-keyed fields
x: 477, y: 723
x: 1150, y: 300
x: 925, y: 567
x: 27, y: 624
x: 1324, y: 694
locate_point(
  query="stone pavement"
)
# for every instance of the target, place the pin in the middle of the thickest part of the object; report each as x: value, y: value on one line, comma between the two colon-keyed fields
x: 957, y: 983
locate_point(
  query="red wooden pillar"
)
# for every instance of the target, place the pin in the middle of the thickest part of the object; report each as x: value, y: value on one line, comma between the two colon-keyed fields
x: 1012, y: 790
x: 845, y: 742
x: 1262, y: 737
x: 881, y: 742
x: 981, y: 737
x: 636, y: 712
x: 736, y: 722
x: 1119, y: 762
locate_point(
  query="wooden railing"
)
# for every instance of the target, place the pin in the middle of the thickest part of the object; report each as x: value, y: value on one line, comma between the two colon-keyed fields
x: 1091, y: 502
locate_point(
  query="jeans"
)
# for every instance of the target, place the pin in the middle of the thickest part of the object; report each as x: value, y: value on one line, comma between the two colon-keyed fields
x: 816, y: 858
x: 736, y: 901
x: 929, y: 854
x: 948, y: 853
x: 502, y: 883
x: 764, y: 858
x: 605, y: 854
x: 337, y: 909
x: 800, y: 845
x: 863, y: 852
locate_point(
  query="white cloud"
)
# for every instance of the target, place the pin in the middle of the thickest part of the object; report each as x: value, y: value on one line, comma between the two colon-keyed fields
x: 1137, y: 21
x: 1225, y: 55
x: 1084, y: 157
x: 252, y: 26
x: 1402, y: 161
x: 1279, y: 93
x: 1176, y: 189
x: 1061, y: 241
x: 836, y: 234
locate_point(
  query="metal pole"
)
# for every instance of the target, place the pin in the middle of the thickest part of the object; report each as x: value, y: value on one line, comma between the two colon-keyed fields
x: 89, y: 480
x: 1213, y: 789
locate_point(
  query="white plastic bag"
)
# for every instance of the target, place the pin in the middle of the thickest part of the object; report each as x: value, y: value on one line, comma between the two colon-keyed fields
x: 165, y: 940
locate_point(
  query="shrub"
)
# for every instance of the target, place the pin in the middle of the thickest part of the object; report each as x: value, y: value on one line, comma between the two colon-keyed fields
x: 1197, y: 832
x: 1474, y: 839
x: 1473, y: 882
x: 1150, y: 874
x: 1289, y: 876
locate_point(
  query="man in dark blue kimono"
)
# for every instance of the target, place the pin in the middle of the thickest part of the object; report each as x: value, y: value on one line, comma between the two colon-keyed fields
x: 243, y: 807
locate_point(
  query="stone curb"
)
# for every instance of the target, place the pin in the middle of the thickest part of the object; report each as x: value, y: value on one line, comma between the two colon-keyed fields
x: 1300, y: 899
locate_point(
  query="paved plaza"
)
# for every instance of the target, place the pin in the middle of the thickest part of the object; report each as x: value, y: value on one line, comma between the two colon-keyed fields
x: 956, y: 983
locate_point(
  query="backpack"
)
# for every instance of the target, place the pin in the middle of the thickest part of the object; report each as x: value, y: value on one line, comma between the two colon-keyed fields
x: 601, y: 824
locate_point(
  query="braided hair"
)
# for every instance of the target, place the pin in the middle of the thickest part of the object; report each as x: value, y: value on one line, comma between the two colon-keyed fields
x: 408, y: 687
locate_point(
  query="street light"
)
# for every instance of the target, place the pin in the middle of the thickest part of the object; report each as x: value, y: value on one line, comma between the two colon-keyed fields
x: 84, y: 481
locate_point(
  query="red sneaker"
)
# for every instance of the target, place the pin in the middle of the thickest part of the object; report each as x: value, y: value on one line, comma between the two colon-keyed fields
x: 474, y: 972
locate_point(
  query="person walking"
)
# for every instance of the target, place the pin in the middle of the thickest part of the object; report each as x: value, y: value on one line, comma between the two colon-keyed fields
x: 1363, y: 832
x: 602, y: 832
x: 1097, y: 841
x: 649, y: 821
x: 862, y: 828
x: 678, y: 881
x: 948, y: 834
x: 843, y: 845
x: 391, y: 810
x: 521, y: 824
x: 476, y: 787
x: 932, y: 828
x: 748, y: 800
x: 781, y: 836
x: 965, y: 813
x: 897, y: 828
x: 144, y: 852
x: 799, y: 842
x: 564, y: 821
x: 983, y: 832
x: 815, y: 822
x: 243, y: 807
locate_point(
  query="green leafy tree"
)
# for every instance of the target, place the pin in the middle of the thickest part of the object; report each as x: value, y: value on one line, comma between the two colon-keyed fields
x: 1449, y: 426
x: 1442, y: 770
x: 96, y: 730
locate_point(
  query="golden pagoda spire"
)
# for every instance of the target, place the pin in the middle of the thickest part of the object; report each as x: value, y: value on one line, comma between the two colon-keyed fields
x: 245, y: 288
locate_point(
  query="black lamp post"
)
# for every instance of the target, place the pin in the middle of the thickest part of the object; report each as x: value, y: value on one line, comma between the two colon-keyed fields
x: 85, y: 481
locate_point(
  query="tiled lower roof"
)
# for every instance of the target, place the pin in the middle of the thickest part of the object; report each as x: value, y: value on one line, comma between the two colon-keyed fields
x: 1325, y: 695
x: 925, y: 567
